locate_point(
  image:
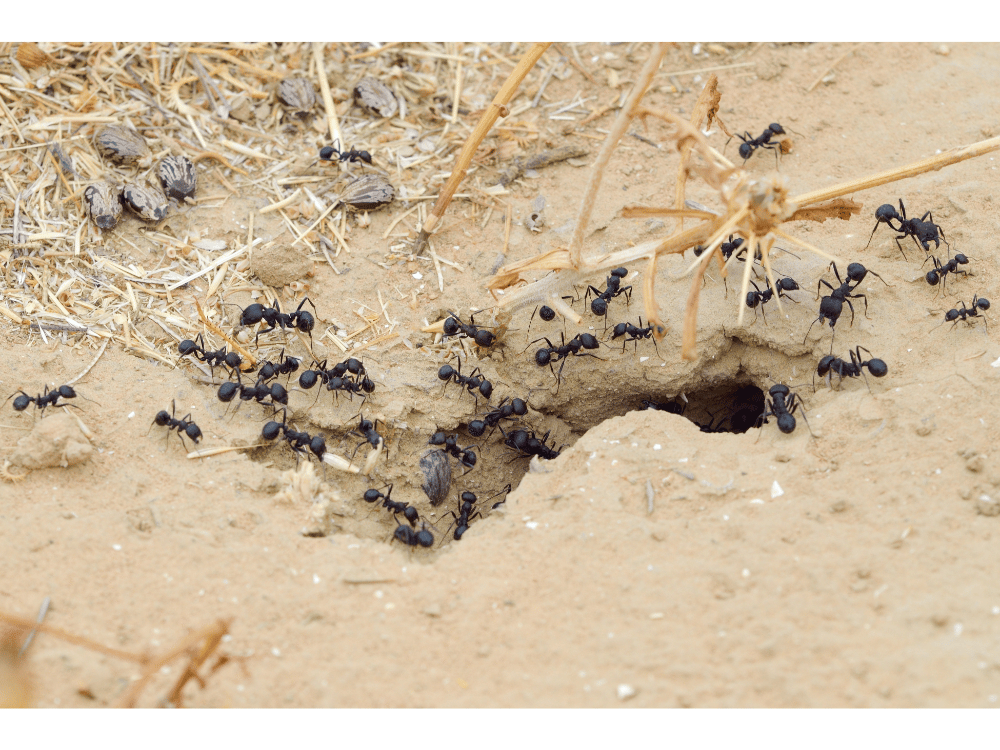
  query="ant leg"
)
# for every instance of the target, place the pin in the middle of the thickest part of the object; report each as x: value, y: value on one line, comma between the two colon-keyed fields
x: 824, y: 281
x: 902, y: 236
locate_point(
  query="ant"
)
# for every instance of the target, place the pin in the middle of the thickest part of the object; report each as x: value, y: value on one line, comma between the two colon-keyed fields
x: 471, y: 382
x: 453, y: 326
x: 284, y: 366
x: 504, y: 410
x: 830, y: 365
x: 466, y: 505
x: 783, y: 405
x: 183, y: 425
x: 939, y: 272
x: 465, y: 456
x: 409, y: 512
x: 301, y: 319
x: 329, y: 153
x: 296, y: 440
x: 831, y: 306
x: 256, y: 392
x: 922, y: 231
x: 232, y: 360
x: 786, y: 284
x: 634, y: 333
x: 545, y: 312
x: 412, y: 538
x: 751, y: 144
x: 671, y: 407
x: 713, y: 426
x: 46, y: 399
x: 978, y: 303
x: 505, y: 491
x: 550, y: 354
x: 366, y: 428
x: 526, y: 443
x: 612, y: 288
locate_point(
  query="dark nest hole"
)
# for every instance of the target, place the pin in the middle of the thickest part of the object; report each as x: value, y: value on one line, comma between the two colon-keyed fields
x: 731, y: 406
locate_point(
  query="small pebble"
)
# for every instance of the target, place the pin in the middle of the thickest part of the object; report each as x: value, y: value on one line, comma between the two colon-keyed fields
x: 625, y: 692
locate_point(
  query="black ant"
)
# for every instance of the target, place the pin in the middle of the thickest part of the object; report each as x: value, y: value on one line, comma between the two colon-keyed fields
x: 284, y: 366
x: 831, y: 306
x: 671, y: 407
x: 329, y: 153
x: 713, y: 426
x: 505, y: 410
x: 505, y: 491
x: 526, y: 443
x: 545, y: 312
x: 612, y: 288
x: 46, y: 399
x: 409, y: 512
x: 922, y: 231
x: 366, y: 428
x: 465, y: 456
x: 785, y: 284
x: 473, y: 382
x: 751, y: 144
x: 831, y: 365
x: 939, y: 272
x: 412, y: 538
x: 453, y: 326
x: 635, y: 334
x: 183, y: 425
x: 297, y: 441
x: 550, y: 354
x: 464, y: 517
x: 232, y: 360
x: 978, y: 303
x: 301, y: 319
x: 783, y: 405
x: 256, y: 392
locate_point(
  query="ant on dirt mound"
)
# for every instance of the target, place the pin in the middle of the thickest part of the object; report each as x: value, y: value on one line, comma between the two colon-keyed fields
x: 465, y: 456
x: 612, y: 288
x: 939, y: 272
x: 300, y: 319
x: 409, y: 512
x: 453, y: 326
x: 831, y: 365
x: 473, y: 382
x: 671, y: 407
x: 785, y: 284
x: 367, y: 429
x: 783, y: 405
x: 284, y: 366
x: 751, y: 144
x: 832, y: 305
x: 635, y: 333
x: 546, y: 313
x: 297, y: 441
x: 256, y: 392
x: 527, y: 444
x: 963, y: 312
x: 184, y: 426
x: 412, y: 538
x: 516, y: 407
x: 232, y: 360
x: 43, y: 400
x: 465, y: 516
x: 550, y: 354
x: 331, y: 153
x: 921, y: 230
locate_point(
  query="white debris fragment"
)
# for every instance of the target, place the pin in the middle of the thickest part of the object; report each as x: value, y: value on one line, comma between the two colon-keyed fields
x: 776, y: 490
x: 996, y: 364
x: 532, y: 524
x: 625, y: 692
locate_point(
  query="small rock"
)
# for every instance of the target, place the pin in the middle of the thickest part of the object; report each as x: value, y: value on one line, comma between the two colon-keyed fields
x: 55, y: 441
x: 974, y: 463
x: 625, y: 692
x: 432, y: 610
x: 782, y: 458
x: 987, y: 506
x: 941, y: 49
x: 279, y: 265
x: 838, y: 506
x: 939, y: 619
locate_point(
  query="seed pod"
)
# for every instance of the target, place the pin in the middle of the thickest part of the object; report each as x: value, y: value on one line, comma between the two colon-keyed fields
x: 368, y: 192
x: 177, y: 177
x: 146, y: 201
x: 437, y: 475
x: 102, y: 204
x: 373, y: 95
x: 298, y: 95
x: 123, y: 146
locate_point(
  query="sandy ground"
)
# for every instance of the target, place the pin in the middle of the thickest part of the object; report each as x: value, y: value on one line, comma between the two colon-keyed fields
x: 852, y: 562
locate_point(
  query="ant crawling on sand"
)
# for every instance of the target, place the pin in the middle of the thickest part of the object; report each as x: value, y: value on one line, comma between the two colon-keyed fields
x: 939, y: 272
x: 465, y: 456
x: 783, y: 405
x: 751, y: 144
x: 297, y: 441
x: 300, y: 319
x: 232, y: 360
x: 785, y: 284
x: 831, y: 365
x: 464, y: 517
x: 832, y: 305
x: 409, y: 512
x: 516, y: 407
x: 612, y: 288
x: 635, y: 333
x: 412, y: 538
x: 284, y: 366
x: 921, y: 230
x: 550, y: 354
x: 963, y: 312
x: 331, y: 153
x: 43, y: 400
x: 527, y: 444
x: 184, y: 426
x: 473, y: 382
x: 453, y: 326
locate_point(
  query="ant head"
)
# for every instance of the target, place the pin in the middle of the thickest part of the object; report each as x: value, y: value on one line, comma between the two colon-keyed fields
x: 950, y: 316
x: 252, y: 314
x: 484, y: 338
x: 878, y: 368
x: 318, y: 446
x: 406, y: 535
x: 468, y: 497
x: 271, y: 430
x: 354, y: 366
x: 234, y: 360
x: 620, y: 272
x: 786, y: 423
x: 746, y: 150
x: 446, y: 372
x: 599, y: 307
x: 451, y: 326
x: 424, y: 538
x: 547, y: 314
x: 279, y: 394
x: 469, y: 457
x: 776, y: 128
x: 308, y: 379
x: 410, y: 514
x: 306, y: 322
x: 619, y: 330
x: 67, y: 391
x: 162, y: 417
x: 932, y: 278
x: 960, y: 258
x: 22, y: 401
x: 779, y: 389
x: 368, y: 385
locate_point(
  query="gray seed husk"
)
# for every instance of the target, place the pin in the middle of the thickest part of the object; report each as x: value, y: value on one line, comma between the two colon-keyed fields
x: 373, y: 95
x: 368, y: 192
x: 178, y: 178
x: 102, y: 204
x: 437, y: 475
x: 123, y: 146
x: 298, y: 95
x: 148, y: 202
